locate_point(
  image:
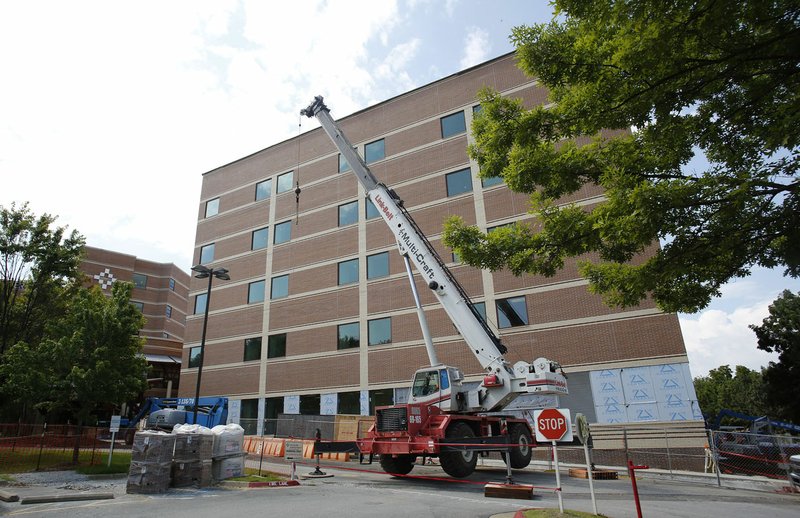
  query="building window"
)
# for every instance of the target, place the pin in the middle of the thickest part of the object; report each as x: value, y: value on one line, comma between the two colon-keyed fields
x: 349, y: 336
x: 263, y: 190
x: 379, y: 331
x: 480, y: 307
x: 255, y: 292
x: 512, y: 312
x: 348, y: 272
x: 283, y: 232
x: 207, y: 253
x: 459, y: 182
x: 285, y: 182
x: 260, y: 239
x: 172, y: 284
x: 477, y: 110
x: 139, y: 280
x: 348, y: 213
x: 280, y: 287
x: 489, y: 182
x: 168, y: 311
x: 378, y: 265
x: 138, y: 305
x: 212, y: 207
x: 348, y: 402
x: 374, y: 151
x: 194, y: 357
x: 453, y: 124
x: 380, y: 397
x: 276, y: 346
x: 343, y: 165
x: 200, y: 303
x: 252, y: 349
x: 309, y: 404
x: 372, y: 210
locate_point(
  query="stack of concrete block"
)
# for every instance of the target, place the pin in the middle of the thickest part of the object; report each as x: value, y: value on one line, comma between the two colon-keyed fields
x: 191, y: 463
x: 228, y: 452
x: 151, y: 462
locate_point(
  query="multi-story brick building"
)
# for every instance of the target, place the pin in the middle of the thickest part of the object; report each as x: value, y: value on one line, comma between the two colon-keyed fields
x: 160, y: 291
x: 318, y: 316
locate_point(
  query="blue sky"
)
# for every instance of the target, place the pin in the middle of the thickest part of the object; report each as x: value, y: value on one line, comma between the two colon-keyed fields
x: 112, y: 111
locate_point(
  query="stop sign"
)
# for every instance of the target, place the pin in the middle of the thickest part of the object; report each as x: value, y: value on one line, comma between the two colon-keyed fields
x: 553, y: 424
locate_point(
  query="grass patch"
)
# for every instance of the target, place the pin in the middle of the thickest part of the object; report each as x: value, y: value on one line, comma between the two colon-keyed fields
x: 59, y: 459
x: 553, y: 513
x: 251, y: 475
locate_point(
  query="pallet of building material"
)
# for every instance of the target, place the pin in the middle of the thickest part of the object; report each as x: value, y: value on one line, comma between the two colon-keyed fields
x: 191, y: 474
x: 193, y: 447
x: 148, y: 477
x: 228, y: 467
x: 228, y: 440
x: 153, y: 447
x: 597, y: 474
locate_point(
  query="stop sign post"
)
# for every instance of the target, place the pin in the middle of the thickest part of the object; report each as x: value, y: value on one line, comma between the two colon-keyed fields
x: 553, y: 424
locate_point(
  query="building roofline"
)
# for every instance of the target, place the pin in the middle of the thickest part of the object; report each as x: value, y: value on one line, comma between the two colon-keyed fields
x: 370, y: 107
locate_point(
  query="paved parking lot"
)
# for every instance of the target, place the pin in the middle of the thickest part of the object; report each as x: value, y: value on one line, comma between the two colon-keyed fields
x: 363, y: 490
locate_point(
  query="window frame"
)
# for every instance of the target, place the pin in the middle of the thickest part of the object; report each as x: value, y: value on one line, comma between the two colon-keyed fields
x: 197, y: 298
x: 370, y: 341
x: 367, y: 210
x: 204, y: 249
x: 373, y: 257
x: 250, y: 293
x: 367, y: 153
x: 280, y: 189
x: 136, y: 284
x: 268, y: 194
x: 500, y: 321
x: 210, y: 203
x: 253, y: 239
x: 454, y: 128
x: 467, y: 172
x: 271, y: 346
x: 339, y: 338
x: 193, y: 361
x: 272, y: 287
x: 280, y: 226
x: 347, y: 264
x: 248, y: 345
x: 353, y: 216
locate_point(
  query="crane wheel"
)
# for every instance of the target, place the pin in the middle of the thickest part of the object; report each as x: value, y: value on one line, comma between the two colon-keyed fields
x: 399, y: 465
x: 459, y: 464
x: 521, y: 453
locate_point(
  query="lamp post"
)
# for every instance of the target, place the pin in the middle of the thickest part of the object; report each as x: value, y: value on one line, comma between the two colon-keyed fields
x: 204, y: 272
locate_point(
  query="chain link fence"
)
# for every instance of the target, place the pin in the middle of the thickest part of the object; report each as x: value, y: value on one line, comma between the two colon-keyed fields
x: 39, y: 447
x: 751, y: 454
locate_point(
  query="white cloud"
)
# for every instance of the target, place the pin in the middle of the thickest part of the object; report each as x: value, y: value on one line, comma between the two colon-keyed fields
x: 476, y: 47
x: 716, y: 337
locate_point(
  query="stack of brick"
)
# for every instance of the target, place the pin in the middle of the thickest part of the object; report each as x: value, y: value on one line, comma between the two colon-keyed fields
x: 228, y: 451
x: 151, y: 462
x: 191, y: 463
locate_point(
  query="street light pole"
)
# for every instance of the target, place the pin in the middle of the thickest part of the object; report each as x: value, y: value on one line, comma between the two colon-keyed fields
x: 202, y: 273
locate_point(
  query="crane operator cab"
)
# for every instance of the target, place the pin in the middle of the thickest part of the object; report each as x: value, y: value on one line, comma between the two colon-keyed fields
x: 436, y: 385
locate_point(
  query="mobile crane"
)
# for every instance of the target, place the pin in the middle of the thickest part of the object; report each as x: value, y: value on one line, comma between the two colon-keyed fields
x: 443, y: 418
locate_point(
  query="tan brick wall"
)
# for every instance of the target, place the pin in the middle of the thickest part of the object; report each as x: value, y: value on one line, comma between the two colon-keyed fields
x: 336, y: 305
x: 318, y: 373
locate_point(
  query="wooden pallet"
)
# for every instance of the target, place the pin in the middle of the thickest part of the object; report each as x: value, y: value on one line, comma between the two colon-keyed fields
x: 597, y: 474
x: 495, y: 490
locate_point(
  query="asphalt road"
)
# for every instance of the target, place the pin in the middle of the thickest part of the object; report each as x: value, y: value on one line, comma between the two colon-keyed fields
x: 364, y: 491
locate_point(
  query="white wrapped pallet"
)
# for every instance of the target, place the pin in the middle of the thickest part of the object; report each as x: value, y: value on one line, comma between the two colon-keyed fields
x: 228, y: 440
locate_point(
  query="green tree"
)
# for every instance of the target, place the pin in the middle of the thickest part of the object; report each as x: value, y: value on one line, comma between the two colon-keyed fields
x: 92, y: 359
x: 38, y: 266
x: 741, y: 391
x: 780, y: 333
x: 711, y: 77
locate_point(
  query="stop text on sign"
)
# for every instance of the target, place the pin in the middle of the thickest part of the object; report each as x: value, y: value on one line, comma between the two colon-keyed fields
x: 553, y: 424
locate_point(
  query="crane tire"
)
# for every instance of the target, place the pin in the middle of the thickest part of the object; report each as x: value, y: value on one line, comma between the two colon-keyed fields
x: 399, y: 465
x: 459, y: 464
x: 521, y: 453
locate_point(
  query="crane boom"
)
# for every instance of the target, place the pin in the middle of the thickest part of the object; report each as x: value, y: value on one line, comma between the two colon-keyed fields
x: 484, y: 344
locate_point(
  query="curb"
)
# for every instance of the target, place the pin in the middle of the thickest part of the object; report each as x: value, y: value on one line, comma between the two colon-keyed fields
x: 6, y: 496
x: 42, y: 499
x: 257, y: 485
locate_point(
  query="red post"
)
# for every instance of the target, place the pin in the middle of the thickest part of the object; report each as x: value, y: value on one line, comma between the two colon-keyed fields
x: 632, y: 474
